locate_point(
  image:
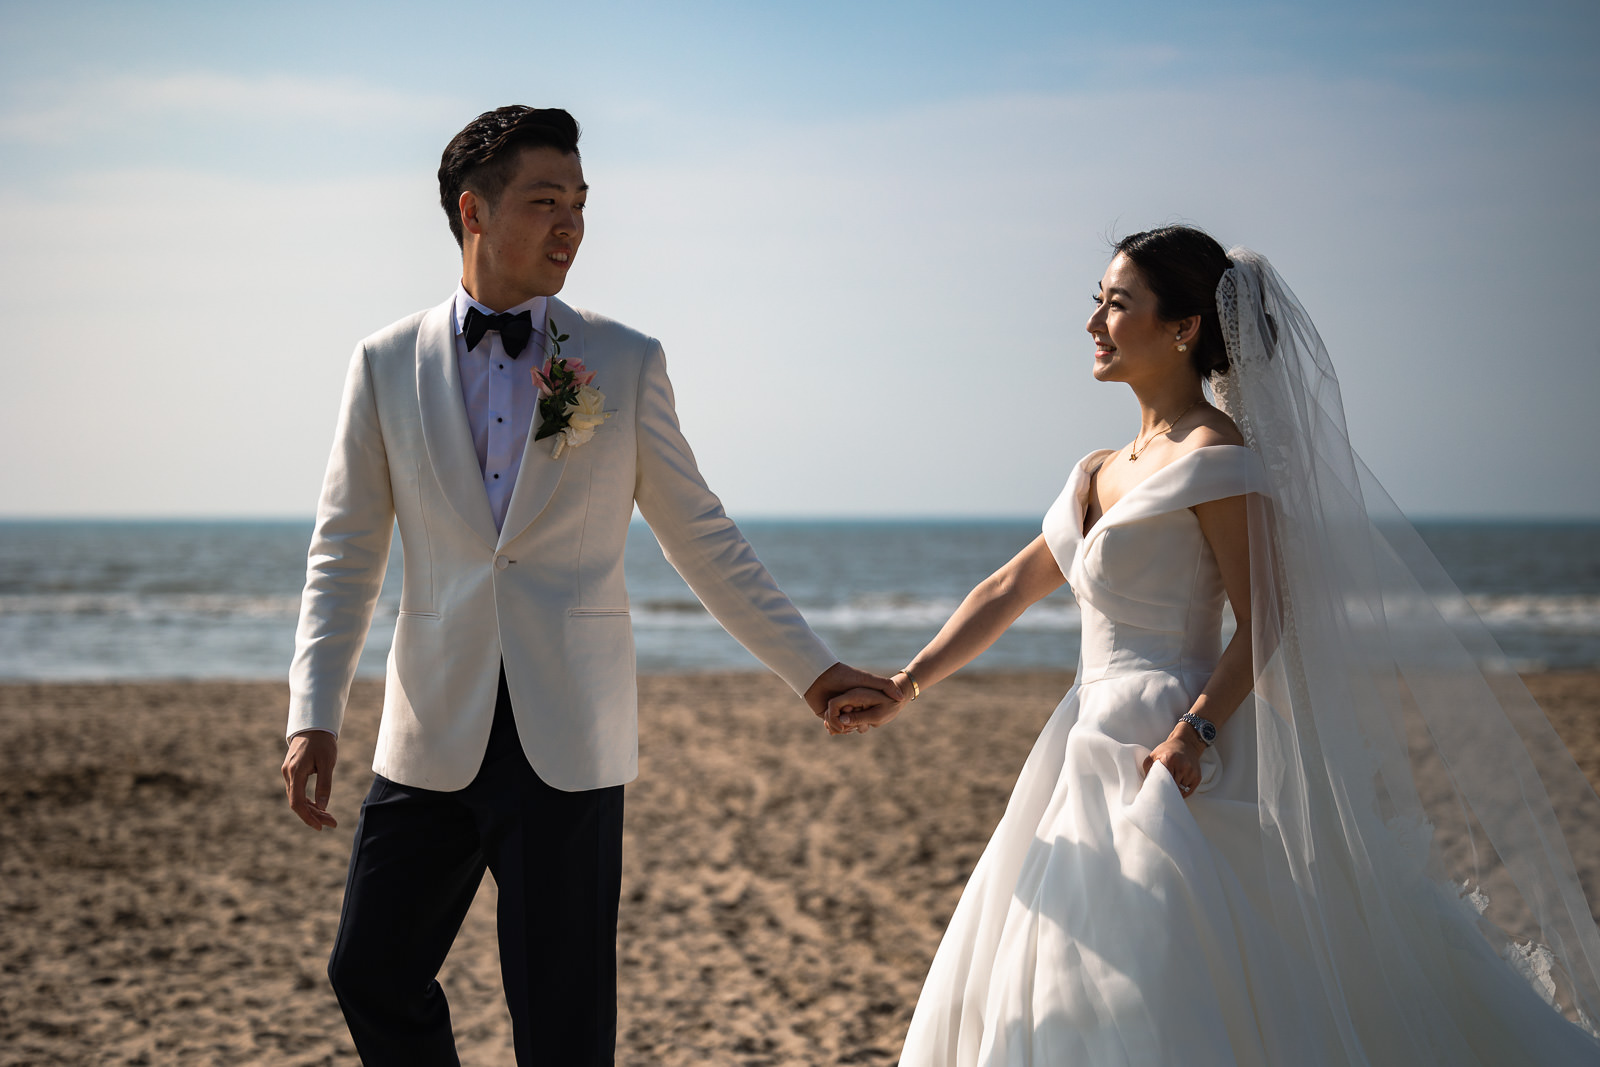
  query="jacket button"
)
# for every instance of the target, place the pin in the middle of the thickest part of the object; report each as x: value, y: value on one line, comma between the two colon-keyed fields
x: 501, y: 563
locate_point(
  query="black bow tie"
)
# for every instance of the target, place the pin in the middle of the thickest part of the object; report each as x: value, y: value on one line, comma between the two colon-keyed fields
x: 514, y: 330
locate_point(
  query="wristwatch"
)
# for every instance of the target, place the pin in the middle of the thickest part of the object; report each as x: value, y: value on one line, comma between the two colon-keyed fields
x: 1204, y: 727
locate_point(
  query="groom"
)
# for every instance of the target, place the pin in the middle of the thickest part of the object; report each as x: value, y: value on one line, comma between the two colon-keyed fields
x: 510, y: 437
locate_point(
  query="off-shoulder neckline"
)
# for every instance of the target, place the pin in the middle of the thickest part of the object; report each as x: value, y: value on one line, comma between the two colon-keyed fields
x: 1104, y: 453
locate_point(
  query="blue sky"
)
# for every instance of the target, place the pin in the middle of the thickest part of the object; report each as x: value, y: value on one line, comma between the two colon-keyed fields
x: 837, y: 217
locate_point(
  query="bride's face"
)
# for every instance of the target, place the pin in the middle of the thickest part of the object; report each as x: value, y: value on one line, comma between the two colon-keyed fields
x: 1131, y: 343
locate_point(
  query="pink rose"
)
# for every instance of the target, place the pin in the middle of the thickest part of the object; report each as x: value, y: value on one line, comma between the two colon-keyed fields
x: 544, y: 377
x: 541, y: 378
x: 582, y: 375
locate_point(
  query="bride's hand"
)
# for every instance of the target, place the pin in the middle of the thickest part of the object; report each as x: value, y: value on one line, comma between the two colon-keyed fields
x: 1181, y: 758
x: 859, y: 710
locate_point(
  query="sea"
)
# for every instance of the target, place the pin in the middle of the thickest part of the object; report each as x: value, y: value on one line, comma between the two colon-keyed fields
x: 119, y: 600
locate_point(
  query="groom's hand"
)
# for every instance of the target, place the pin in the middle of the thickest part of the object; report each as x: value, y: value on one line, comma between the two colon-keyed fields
x: 839, y: 679
x: 312, y: 753
x: 860, y: 710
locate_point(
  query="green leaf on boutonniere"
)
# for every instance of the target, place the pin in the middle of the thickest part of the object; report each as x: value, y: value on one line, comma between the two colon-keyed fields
x: 566, y: 391
x: 552, y: 332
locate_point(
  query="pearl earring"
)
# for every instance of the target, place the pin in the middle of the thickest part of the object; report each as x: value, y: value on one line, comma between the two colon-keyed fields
x: 1183, y: 348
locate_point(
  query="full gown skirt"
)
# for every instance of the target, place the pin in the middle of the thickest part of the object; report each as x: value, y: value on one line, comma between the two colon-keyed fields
x: 1112, y: 921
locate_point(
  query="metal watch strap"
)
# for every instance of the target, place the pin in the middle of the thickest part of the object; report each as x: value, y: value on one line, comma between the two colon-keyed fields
x: 1204, y: 727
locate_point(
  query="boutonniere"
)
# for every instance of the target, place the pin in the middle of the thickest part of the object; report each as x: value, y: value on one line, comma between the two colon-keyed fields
x: 570, y: 407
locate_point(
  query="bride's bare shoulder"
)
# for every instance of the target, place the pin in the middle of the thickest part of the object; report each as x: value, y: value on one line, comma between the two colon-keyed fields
x: 1215, y: 428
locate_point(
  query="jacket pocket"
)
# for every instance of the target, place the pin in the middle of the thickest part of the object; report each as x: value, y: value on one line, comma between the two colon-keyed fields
x: 579, y: 613
x: 419, y: 614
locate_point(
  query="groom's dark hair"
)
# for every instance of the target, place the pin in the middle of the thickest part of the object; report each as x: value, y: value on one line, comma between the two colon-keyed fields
x: 483, y: 156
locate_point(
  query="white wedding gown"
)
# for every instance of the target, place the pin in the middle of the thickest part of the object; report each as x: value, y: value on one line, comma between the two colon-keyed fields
x: 1111, y: 921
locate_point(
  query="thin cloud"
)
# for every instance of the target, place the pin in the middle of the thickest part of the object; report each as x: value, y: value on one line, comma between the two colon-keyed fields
x: 56, y: 113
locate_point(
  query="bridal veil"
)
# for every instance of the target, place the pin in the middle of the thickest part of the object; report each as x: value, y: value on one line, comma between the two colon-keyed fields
x: 1409, y: 785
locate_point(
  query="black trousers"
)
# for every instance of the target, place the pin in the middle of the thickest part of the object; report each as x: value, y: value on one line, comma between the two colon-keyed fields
x: 418, y: 858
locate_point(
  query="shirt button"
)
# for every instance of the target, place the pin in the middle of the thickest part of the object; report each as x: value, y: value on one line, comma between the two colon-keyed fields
x: 497, y: 477
x: 499, y: 420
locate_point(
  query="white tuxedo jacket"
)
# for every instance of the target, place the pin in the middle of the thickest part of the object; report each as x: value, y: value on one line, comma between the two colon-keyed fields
x: 545, y: 594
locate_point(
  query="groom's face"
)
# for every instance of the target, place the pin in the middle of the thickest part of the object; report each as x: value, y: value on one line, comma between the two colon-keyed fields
x: 529, y: 237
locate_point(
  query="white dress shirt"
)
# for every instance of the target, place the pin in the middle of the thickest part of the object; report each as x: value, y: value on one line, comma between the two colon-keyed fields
x: 500, y: 397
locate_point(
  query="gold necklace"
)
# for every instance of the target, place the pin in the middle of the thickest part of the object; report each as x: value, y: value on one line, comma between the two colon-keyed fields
x: 1133, y: 453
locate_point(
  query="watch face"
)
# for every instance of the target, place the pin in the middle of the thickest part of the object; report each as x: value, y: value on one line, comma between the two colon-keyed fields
x: 1206, y: 730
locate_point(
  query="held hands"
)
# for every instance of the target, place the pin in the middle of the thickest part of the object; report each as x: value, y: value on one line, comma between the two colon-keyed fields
x: 311, y: 753
x: 859, y: 710
x: 840, y: 681
x: 1180, y: 754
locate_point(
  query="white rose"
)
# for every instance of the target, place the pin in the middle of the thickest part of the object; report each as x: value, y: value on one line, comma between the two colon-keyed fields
x: 585, y: 412
x: 577, y: 435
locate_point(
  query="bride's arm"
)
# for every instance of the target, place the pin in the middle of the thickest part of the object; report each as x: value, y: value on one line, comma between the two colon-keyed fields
x: 1226, y: 526
x: 992, y: 606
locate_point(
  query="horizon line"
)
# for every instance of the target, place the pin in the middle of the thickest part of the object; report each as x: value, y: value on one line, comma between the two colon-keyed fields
x: 870, y: 517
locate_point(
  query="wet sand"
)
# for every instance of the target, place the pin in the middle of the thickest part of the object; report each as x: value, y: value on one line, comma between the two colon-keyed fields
x: 783, y: 895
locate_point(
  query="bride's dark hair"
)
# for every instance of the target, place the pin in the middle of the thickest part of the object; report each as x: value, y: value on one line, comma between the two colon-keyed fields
x: 1182, y: 266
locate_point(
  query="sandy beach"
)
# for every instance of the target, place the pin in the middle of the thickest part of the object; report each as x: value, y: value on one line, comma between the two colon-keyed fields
x: 784, y: 891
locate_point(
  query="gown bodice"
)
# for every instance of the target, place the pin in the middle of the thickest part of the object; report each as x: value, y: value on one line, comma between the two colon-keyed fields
x: 1145, y: 578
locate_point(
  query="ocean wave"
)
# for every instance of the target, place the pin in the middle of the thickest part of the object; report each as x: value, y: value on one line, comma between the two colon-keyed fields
x: 863, y: 613
x: 144, y: 607
x: 1577, y: 614
x: 1558, y: 614
x: 1553, y: 614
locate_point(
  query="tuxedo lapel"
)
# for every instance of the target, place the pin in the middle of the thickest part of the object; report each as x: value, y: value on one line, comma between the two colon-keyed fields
x: 444, y: 422
x: 539, y: 475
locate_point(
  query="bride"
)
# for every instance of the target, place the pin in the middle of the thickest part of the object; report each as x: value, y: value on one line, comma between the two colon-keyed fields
x: 1330, y: 840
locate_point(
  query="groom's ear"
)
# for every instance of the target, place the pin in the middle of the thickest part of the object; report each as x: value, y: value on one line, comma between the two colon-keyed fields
x: 472, y: 207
